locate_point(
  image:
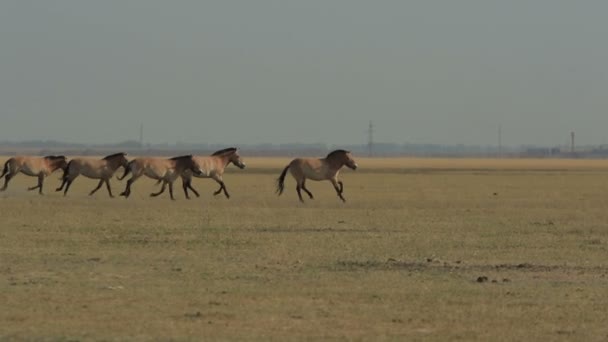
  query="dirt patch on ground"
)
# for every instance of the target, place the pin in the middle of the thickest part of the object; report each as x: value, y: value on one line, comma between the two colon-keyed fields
x: 438, y: 265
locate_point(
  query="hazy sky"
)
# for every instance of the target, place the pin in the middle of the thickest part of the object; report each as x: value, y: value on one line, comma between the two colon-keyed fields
x: 235, y: 72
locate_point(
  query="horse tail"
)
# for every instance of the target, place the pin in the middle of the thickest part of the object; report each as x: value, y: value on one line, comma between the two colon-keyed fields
x: 5, y: 170
x: 127, y: 170
x: 281, y: 180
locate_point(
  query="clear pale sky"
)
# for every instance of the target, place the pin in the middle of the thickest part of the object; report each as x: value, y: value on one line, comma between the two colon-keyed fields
x: 234, y: 72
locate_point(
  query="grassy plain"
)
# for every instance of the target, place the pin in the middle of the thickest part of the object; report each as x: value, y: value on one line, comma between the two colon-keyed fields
x: 424, y: 249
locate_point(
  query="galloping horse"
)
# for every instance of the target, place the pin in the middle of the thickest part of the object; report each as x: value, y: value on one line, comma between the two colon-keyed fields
x: 214, y: 166
x: 317, y: 169
x: 32, y: 166
x: 165, y: 170
x: 102, y: 169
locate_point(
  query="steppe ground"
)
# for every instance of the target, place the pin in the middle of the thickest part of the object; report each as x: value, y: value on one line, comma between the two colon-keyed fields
x: 424, y: 249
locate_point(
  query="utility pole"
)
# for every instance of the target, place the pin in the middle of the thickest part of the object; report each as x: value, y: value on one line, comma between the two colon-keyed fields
x: 370, y: 139
x: 499, y: 141
x: 141, y: 136
x: 572, y: 142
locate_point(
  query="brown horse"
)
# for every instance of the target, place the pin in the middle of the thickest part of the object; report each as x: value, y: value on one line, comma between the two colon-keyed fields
x: 32, y: 166
x: 165, y: 170
x: 214, y: 166
x: 102, y: 169
x: 317, y: 169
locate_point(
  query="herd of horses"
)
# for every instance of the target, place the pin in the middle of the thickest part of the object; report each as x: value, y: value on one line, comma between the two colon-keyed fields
x: 167, y: 170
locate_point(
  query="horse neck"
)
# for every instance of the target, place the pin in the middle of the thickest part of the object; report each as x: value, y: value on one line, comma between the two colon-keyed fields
x: 113, y: 164
x: 54, y: 164
x: 335, y: 163
x: 224, y: 160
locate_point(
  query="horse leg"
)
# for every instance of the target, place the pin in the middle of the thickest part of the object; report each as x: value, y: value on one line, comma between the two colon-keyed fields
x: 171, y: 191
x: 40, y: 183
x: 185, y: 187
x: 225, y: 190
x: 37, y: 186
x: 339, y: 187
x: 67, y: 186
x: 187, y: 184
x: 162, y: 189
x: 219, y: 180
x: 304, y: 188
x: 6, y: 179
x: 298, y: 190
x: 63, y: 181
x: 107, y: 181
x: 127, y: 190
x: 191, y: 188
x: 97, y: 187
x: 222, y: 187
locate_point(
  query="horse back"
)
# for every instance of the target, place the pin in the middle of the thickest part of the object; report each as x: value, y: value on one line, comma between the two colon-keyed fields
x: 152, y: 167
x: 29, y: 165
x: 311, y: 168
x: 89, y: 167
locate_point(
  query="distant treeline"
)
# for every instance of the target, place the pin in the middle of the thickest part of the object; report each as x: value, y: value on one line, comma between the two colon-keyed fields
x: 46, y: 147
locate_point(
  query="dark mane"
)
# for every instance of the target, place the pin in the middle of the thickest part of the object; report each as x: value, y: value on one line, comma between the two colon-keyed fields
x: 224, y: 151
x: 114, y: 155
x: 54, y: 157
x: 188, y: 156
x: 336, y: 152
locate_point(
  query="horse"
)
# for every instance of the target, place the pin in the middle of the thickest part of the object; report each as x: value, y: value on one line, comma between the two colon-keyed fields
x: 102, y: 169
x: 214, y: 166
x: 317, y: 169
x: 32, y: 166
x: 165, y: 170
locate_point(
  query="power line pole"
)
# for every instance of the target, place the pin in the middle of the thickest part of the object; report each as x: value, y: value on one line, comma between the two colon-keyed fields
x: 572, y: 142
x: 141, y: 136
x: 499, y: 141
x: 370, y: 139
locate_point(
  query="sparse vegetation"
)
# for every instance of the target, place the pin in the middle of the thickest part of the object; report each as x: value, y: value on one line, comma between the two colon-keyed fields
x: 423, y: 249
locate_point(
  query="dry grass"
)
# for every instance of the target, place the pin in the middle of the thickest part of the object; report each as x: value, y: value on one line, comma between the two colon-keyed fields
x: 400, y: 260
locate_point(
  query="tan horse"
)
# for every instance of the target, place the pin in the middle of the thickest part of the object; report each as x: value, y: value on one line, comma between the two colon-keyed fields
x: 214, y: 166
x: 102, y: 169
x: 317, y: 169
x: 32, y: 166
x: 165, y: 170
